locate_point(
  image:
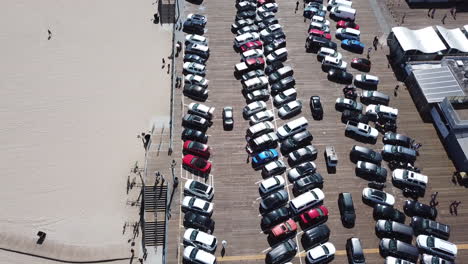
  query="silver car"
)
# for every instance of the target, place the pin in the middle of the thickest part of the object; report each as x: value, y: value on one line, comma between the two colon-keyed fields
x: 261, y: 117
x: 290, y: 109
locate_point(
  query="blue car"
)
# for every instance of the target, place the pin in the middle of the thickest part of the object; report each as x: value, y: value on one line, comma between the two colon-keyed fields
x: 264, y: 157
x: 352, y: 45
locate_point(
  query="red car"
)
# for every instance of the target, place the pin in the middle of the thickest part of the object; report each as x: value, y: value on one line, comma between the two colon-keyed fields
x: 252, y: 45
x: 284, y: 228
x: 258, y: 62
x: 361, y: 64
x: 197, y: 148
x: 319, y: 33
x: 314, y: 215
x: 262, y: 2
x: 347, y: 24
x: 196, y: 164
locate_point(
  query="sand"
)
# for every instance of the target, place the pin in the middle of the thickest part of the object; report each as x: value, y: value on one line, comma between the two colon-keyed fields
x: 70, y: 110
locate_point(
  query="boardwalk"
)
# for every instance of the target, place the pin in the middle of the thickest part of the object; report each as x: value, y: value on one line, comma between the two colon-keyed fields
x: 236, y: 197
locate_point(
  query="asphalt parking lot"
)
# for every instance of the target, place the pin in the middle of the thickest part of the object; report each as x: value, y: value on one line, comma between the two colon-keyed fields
x: 236, y: 191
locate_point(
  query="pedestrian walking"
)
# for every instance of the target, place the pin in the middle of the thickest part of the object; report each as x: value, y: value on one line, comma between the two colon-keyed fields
x: 443, y: 18
x: 163, y: 63
x: 395, y: 91
x: 368, y: 52
x: 168, y: 68
x: 375, y: 42
x: 433, y: 202
x: 403, y: 18
x: 297, y: 7
x: 454, y: 177
x: 50, y: 34
x: 433, y: 13
x: 248, y: 159
x: 451, y: 207
x: 455, y: 207
x: 454, y: 15
x: 223, y: 250
x: 429, y: 12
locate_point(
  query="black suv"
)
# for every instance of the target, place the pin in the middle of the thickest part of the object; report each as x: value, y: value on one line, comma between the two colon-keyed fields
x: 414, y: 208
x: 365, y: 154
x: 422, y: 226
x: 275, y: 217
x: 388, y: 213
x: 192, y: 134
x: 354, y: 251
x: 307, y: 183
x: 282, y: 252
x: 346, y: 206
x: 391, y: 229
x: 355, y: 116
x: 314, y: 43
x: 296, y: 141
x: 200, y: 222
x: 316, y: 107
x: 315, y: 236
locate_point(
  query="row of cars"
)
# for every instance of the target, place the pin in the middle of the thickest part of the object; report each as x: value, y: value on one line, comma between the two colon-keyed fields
x: 197, y: 204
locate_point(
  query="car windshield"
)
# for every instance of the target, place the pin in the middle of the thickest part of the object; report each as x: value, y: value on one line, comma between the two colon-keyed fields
x: 194, y: 145
x: 394, y: 149
x: 388, y: 226
x: 199, y: 163
x: 392, y: 245
x: 288, y: 226
x: 193, y: 253
x: 378, y: 195
x: 430, y: 241
x: 325, y: 249
x: 194, y: 235
x: 405, y: 174
x: 320, y: 211
x: 286, y: 127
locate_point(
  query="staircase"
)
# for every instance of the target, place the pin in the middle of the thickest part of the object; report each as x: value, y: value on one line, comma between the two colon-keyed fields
x: 154, y: 202
x: 155, y: 198
x: 154, y: 233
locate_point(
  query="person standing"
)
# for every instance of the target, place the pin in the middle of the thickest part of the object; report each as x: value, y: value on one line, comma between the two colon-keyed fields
x: 429, y: 12
x: 375, y: 42
x: 223, y: 250
x: 433, y: 202
x: 443, y: 18
x: 297, y: 7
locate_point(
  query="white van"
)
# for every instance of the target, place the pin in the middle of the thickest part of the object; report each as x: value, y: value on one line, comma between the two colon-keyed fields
x: 306, y: 200
x: 343, y: 12
x: 348, y: 33
x: 333, y: 3
x: 256, y: 83
x: 292, y: 128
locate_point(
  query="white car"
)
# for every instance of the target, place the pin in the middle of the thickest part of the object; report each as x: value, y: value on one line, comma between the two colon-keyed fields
x: 251, y: 53
x: 373, y: 111
x: 333, y: 63
x: 355, y: 129
x: 201, y: 110
x: 261, y: 117
x: 197, y: 80
x: 198, y: 17
x: 244, y: 38
x: 366, y: 79
x: 392, y: 260
x: 195, y: 255
x: 430, y: 259
x: 277, y: 55
x: 409, y: 178
x: 321, y: 253
x: 268, y: 7
x: 437, y: 247
x: 292, y: 127
x: 196, y: 39
x: 270, y: 185
x: 324, y: 52
x: 319, y: 26
x: 200, y: 240
x: 197, y: 205
x: 199, y: 189
x: 270, y: 29
x: 375, y: 196
x: 320, y: 19
x: 194, y: 68
x: 285, y: 97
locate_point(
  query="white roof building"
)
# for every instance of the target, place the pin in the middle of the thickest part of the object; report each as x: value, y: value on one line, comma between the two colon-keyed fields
x: 424, y: 40
x: 454, y: 38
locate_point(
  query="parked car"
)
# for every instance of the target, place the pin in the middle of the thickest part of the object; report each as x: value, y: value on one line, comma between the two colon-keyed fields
x: 361, y: 131
x: 307, y: 153
x: 406, y: 179
x: 251, y: 45
x: 342, y: 104
x: 295, y: 142
x: 197, y: 205
x: 282, y: 252
x: 347, y: 33
x: 264, y: 23
x: 252, y: 53
x: 245, y: 14
x: 346, y: 207
x: 352, y: 45
x: 308, y: 183
x: 388, y: 213
x: 195, y: 92
x: 398, y: 153
x: 252, y: 74
x: 195, y: 255
x: 194, y: 68
x: 374, y: 196
x: 324, y: 52
x: 271, y: 68
x: 258, y: 130
x: 228, y: 118
x: 258, y: 95
x: 312, y: 8
x: 364, y: 154
x: 393, y: 260
x: 391, y: 229
x: 374, y: 97
x: 331, y: 158
x: 274, y: 45
x: 347, y: 24
x: 333, y: 63
x: 355, y: 116
x: 430, y: 259
x: 270, y: 30
x: 198, y: 221
x: 201, y: 110
x: 284, y: 229
x: 415, y: 208
x: 398, y: 249
x: 423, y: 226
x: 263, y: 116
x: 315, y: 215
x: 268, y: 7
x: 241, y: 23
x: 436, y: 246
x: 196, y: 122
x: 263, y: 142
x: 246, y: 5
x: 273, y: 201
x: 292, y: 127
x: 281, y: 73
x: 196, y: 39
x: 196, y: 80
x: 196, y: 148
x: 198, y: 49
x: 245, y: 38
x: 316, y: 107
x: 366, y: 80
x: 283, y: 84
x: 197, y: 17
x: 194, y: 58
x: 270, y: 185
x: 377, y: 112
x: 315, y: 236
x: 263, y: 16
x: 199, y: 189
x: 273, y: 168
x: 319, y: 33
x: 392, y: 138
x: 275, y: 217
x: 371, y: 171
x: 319, y: 25
x: 323, y: 253
x: 253, y: 108
x: 194, y: 26
x: 200, y: 239
x: 361, y: 64
x: 191, y: 134
x: 278, y: 55
x: 354, y: 251
x: 264, y: 157
x: 290, y: 109
x: 284, y: 97
x: 314, y: 43
x: 196, y: 164
x: 340, y: 76
x: 301, y: 170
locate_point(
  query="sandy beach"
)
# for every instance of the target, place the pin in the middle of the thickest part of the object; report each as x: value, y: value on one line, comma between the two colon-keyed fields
x: 71, y: 108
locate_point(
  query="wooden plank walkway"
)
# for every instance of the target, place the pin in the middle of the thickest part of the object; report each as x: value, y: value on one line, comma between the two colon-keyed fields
x: 236, y: 204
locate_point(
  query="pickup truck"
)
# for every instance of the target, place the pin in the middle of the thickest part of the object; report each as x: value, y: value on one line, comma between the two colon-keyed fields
x: 250, y: 64
x: 361, y: 131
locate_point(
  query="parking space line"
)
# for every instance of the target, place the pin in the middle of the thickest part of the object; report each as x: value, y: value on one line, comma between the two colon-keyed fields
x: 180, y: 217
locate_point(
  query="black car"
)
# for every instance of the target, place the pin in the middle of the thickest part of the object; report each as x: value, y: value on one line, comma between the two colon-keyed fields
x: 316, y: 107
x: 301, y: 170
x: 374, y: 97
x: 388, y: 213
x: 274, y: 45
x: 314, y: 43
x: 195, y: 92
x: 398, y: 153
x: 275, y: 217
x: 361, y: 64
x: 307, y: 183
x: 391, y: 229
x: 398, y: 249
x: 364, y: 154
x: 192, y: 26
x: 396, y: 139
x: 192, y: 134
x: 274, y: 66
x: 354, y: 251
x: 371, y: 171
x: 415, y: 208
x: 340, y: 76
x: 195, y: 122
x: 246, y: 5
x: 247, y: 29
x: 349, y: 115
x: 194, y: 58
x: 245, y: 14
x: 315, y: 236
x: 240, y: 24
x: 200, y: 222
x: 282, y: 252
x: 280, y: 73
x: 267, y: 22
x: 307, y: 153
x: 273, y: 201
x: 283, y: 84
x: 346, y: 206
x: 423, y: 226
x: 273, y: 37
x: 296, y: 141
